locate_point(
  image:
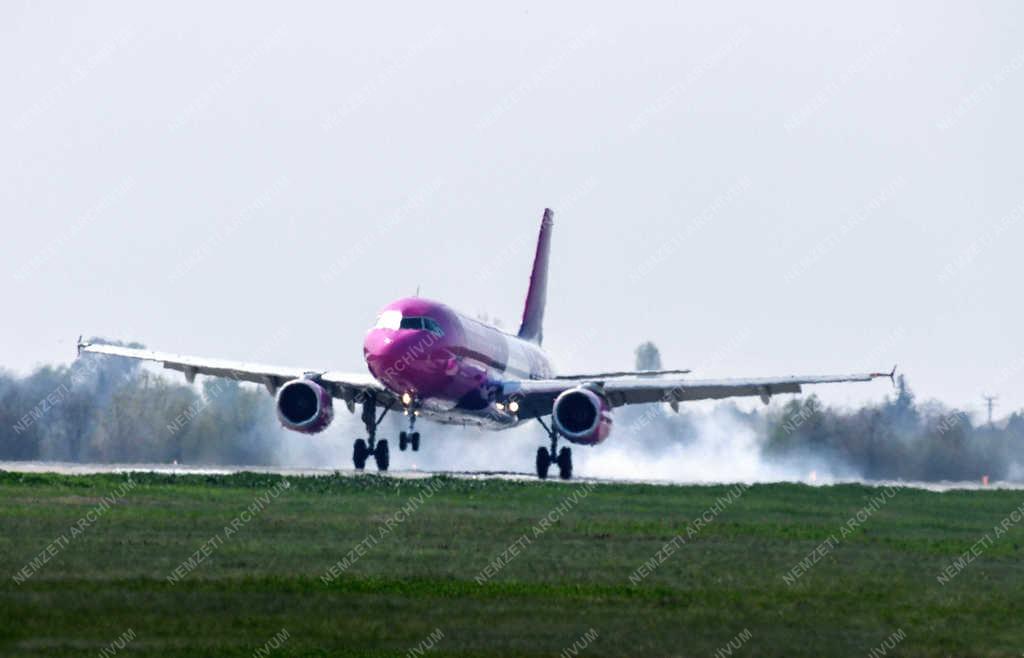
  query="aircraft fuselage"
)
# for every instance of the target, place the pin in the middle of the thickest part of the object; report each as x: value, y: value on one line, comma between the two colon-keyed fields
x: 454, y: 366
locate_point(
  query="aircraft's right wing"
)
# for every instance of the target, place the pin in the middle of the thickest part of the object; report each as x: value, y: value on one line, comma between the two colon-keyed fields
x: 535, y: 397
x: 348, y: 386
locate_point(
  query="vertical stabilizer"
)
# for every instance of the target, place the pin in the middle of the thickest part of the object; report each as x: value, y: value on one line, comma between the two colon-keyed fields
x: 532, y: 327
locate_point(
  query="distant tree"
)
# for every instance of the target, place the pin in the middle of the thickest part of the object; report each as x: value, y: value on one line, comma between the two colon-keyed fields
x: 902, y: 410
x: 236, y: 425
x: 648, y: 357
x: 133, y: 427
x: 1015, y: 425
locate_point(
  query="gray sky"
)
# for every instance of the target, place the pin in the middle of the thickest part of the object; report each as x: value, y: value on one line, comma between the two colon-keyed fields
x: 760, y: 188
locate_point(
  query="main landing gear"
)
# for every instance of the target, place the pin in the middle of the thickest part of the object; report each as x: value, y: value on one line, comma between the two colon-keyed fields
x: 370, y: 446
x: 545, y: 458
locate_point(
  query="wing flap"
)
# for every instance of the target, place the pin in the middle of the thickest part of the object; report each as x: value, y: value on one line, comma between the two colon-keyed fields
x: 621, y: 373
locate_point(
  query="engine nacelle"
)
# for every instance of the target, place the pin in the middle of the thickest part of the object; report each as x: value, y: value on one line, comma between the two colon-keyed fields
x: 304, y: 406
x: 582, y: 415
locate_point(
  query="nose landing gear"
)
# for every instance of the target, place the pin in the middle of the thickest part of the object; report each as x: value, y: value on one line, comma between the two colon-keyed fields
x: 371, y: 447
x: 409, y: 439
x: 545, y: 458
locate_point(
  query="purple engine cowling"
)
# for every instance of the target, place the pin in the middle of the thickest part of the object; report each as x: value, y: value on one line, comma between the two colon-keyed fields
x: 582, y: 415
x: 304, y: 406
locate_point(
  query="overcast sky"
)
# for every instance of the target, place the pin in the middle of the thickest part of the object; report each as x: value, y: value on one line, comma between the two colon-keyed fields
x: 760, y: 188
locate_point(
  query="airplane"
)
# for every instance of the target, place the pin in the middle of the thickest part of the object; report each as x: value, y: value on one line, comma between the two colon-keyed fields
x: 429, y: 360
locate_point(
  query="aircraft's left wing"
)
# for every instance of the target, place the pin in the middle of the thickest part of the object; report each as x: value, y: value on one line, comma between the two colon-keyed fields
x: 535, y: 397
x: 349, y: 386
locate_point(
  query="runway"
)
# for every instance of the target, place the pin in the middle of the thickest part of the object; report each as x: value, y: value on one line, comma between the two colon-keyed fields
x: 70, y: 468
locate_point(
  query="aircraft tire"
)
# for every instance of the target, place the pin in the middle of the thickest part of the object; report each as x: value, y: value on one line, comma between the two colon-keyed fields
x: 543, y: 462
x: 382, y: 455
x: 359, y: 454
x: 415, y: 439
x: 565, y: 463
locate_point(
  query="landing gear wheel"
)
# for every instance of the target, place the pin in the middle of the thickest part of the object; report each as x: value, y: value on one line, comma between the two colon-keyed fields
x: 359, y: 454
x: 415, y: 440
x: 565, y: 463
x: 382, y: 455
x: 403, y: 441
x: 543, y: 462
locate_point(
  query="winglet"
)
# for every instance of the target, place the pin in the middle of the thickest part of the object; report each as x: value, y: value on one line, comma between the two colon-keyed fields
x: 80, y: 344
x: 891, y: 375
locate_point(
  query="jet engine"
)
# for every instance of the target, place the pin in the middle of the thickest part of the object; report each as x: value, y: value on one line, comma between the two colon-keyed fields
x: 304, y: 406
x: 582, y: 415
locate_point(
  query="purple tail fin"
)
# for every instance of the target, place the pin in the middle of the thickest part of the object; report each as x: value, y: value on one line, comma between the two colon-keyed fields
x: 532, y: 327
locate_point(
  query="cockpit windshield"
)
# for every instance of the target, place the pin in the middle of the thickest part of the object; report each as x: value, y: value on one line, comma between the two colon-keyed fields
x: 394, y: 320
x: 411, y: 323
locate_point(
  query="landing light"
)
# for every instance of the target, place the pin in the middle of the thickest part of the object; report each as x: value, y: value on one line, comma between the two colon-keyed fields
x: 406, y: 398
x: 513, y: 406
x: 499, y: 406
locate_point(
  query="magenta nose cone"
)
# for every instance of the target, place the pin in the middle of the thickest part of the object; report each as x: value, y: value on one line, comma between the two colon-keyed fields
x: 412, y: 361
x: 375, y: 351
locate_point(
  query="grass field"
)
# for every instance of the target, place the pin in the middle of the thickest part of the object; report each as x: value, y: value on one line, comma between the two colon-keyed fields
x: 238, y: 565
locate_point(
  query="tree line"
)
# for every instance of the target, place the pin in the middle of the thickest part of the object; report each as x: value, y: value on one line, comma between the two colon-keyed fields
x: 106, y: 409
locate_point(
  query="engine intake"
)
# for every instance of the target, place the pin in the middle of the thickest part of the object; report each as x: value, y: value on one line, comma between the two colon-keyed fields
x: 582, y: 415
x: 304, y: 406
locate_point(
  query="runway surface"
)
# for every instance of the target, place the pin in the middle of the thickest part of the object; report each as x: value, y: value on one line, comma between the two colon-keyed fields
x: 67, y: 468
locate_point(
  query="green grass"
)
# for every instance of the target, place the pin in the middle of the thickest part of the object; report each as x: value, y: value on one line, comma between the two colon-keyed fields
x: 419, y: 576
